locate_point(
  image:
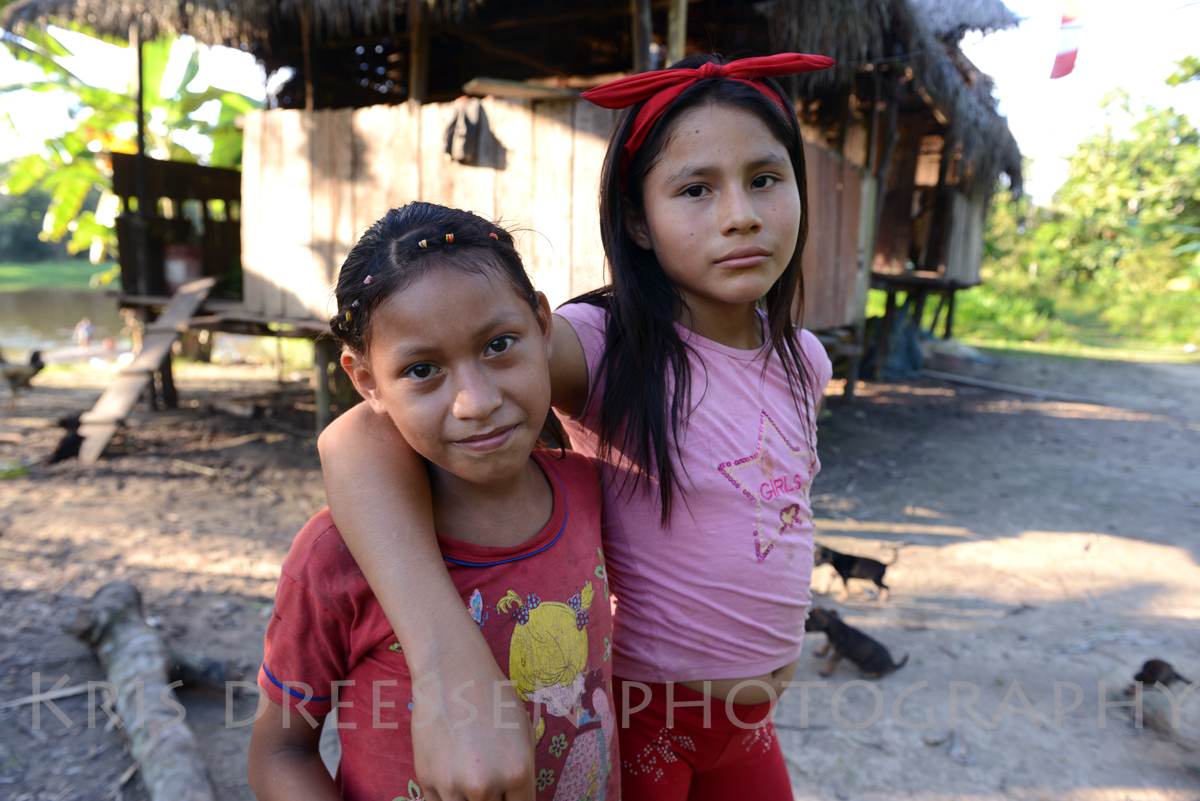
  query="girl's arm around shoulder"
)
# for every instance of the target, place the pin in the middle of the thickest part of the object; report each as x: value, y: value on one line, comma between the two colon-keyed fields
x: 284, y: 762
x: 817, y: 360
x: 379, y: 495
x: 568, y: 369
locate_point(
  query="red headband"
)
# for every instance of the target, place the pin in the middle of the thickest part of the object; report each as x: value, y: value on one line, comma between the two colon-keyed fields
x: 661, y: 87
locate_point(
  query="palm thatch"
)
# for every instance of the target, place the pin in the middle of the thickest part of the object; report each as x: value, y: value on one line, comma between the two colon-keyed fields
x: 229, y: 22
x: 916, y: 42
x: 949, y: 20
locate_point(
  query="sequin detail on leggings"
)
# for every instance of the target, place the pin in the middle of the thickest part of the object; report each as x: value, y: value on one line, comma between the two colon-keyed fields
x: 762, y: 737
x: 663, y: 747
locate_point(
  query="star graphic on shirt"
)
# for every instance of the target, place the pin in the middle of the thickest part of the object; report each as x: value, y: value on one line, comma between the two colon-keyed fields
x: 764, y: 478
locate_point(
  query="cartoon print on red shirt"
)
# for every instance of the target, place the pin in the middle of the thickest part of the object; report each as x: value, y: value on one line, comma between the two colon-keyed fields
x: 766, y: 478
x: 548, y: 665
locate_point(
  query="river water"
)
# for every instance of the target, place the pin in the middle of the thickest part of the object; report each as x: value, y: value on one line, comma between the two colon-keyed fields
x: 44, y: 319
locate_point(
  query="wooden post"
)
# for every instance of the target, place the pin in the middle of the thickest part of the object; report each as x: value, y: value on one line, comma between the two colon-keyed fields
x: 322, y: 356
x: 166, y: 381
x: 890, y: 137
x: 949, y: 314
x: 418, y: 51
x: 643, y: 24
x: 140, y: 221
x: 885, y: 334
x: 677, y: 15
x: 935, y: 246
x: 306, y: 49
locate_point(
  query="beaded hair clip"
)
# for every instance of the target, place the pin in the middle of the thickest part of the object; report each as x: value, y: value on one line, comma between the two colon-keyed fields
x: 424, y: 243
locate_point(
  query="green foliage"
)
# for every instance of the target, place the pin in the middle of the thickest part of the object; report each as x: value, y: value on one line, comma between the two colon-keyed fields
x: 1189, y: 70
x: 1116, y: 255
x: 21, y: 227
x: 62, y: 273
x: 72, y: 166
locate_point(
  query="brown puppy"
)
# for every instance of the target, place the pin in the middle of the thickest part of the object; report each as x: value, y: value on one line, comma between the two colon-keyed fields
x: 848, y: 567
x: 871, y: 657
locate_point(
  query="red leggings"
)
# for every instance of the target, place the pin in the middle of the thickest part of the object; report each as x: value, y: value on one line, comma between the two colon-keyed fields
x: 691, y: 761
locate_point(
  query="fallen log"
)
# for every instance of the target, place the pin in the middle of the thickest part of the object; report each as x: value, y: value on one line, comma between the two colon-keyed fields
x: 139, y: 665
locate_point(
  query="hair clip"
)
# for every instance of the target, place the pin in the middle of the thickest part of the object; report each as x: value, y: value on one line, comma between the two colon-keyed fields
x: 347, y: 316
x: 449, y: 239
x: 354, y: 305
x: 494, y: 236
x: 367, y: 280
x: 423, y: 243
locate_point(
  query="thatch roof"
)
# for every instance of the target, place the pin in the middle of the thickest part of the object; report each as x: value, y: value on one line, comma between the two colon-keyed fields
x: 230, y: 22
x: 521, y: 39
x: 915, y: 42
x: 949, y: 20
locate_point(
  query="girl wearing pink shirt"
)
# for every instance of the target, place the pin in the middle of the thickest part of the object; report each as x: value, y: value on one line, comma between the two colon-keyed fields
x: 688, y: 382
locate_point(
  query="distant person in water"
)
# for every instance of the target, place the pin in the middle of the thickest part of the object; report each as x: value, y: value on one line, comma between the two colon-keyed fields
x: 83, y: 332
x: 133, y: 327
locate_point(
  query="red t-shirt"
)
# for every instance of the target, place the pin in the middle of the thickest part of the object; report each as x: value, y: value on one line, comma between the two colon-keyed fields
x: 542, y: 606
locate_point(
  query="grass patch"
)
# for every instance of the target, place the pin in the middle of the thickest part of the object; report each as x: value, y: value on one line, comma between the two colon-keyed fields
x: 1003, y: 317
x: 63, y: 274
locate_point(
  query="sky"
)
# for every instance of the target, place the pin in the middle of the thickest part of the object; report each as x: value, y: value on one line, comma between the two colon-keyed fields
x: 1129, y: 45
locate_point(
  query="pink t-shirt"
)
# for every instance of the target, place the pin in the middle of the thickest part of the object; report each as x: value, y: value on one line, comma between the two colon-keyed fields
x: 723, y: 590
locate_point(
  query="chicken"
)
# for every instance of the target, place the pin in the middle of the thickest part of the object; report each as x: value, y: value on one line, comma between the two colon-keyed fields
x: 17, y: 376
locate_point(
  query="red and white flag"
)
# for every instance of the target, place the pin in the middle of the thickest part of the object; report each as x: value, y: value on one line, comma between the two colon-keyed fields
x: 1068, y: 39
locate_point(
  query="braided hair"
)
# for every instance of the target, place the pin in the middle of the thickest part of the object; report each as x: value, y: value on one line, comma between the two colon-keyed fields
x: 405, y: 245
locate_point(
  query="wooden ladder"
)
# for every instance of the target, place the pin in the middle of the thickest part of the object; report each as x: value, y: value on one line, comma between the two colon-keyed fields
x: 100, y: 425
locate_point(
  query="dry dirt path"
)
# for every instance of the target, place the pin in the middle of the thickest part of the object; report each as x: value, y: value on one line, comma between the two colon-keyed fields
x: 1043, y: 542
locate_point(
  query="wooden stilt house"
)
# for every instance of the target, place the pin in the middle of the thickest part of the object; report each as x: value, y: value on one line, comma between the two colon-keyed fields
x: 362, y: 126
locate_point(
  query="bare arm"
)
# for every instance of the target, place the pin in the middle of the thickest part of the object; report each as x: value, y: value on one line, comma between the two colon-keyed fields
x: 378, y: 492
x: 284, y: 763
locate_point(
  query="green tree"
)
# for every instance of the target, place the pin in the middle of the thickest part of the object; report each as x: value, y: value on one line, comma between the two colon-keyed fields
x: 72, y: 165
x: 1188, y: 70
x: 1120, y: 245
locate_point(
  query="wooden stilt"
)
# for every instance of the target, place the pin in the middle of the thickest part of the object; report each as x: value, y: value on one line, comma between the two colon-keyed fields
x: 323, y: 350
x: 643, y: 23
x: 885, y: 334
x: 166, y: 384
x: 949, y: 314
x: 677, y: 15
x: 418, y: 51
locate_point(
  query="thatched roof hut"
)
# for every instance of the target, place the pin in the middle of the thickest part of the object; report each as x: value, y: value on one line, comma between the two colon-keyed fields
x: 358, y: 50
x: 913, y: 46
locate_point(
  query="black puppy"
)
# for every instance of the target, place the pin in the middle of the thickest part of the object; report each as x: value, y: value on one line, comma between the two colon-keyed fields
x: 1156, y: 670
x: 848, y: 567
x: 870, y: 655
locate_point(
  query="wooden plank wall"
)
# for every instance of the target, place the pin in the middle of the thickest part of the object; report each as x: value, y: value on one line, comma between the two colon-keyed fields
x: 964, y: 243
x: 313, y: 181
x: 832, y: 257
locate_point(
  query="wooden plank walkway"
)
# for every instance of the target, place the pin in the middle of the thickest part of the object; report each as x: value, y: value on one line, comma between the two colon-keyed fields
x: 100, y: 424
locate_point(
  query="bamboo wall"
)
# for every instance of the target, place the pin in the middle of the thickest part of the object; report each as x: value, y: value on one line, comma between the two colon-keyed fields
x: 313, y: 180
x: 832, y: 258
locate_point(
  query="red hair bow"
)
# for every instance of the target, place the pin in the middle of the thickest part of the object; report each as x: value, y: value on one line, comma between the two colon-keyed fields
x: 661, y: 87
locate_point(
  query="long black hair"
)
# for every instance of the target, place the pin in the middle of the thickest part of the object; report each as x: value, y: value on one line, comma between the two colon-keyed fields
x: 645, y: 372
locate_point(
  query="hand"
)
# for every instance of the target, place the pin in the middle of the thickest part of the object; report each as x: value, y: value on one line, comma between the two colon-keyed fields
x: 461, y: 756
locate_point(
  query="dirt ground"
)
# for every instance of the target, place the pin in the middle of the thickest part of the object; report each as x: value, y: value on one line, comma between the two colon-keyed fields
x: 1037, y: 542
